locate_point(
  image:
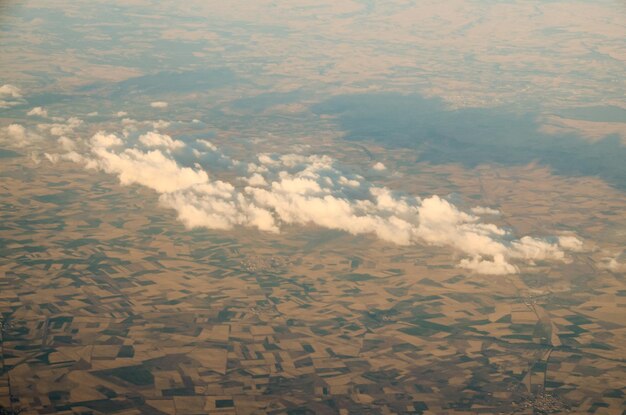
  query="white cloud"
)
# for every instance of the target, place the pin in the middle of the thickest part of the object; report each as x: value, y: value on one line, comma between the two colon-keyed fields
x: 441, y: 223
x: 217, y: 206
x: 34, y: 157
x: 160, y: 124
x: 266, y: 160
x: 17, y: 135
x: 497, y: 266
x: 612, y: 264
x: 129, y: 125
x: 152, y: 169
x: 299, y: 201
x: 379, y: 166
x: 481, y: 210
x: 293, y: 189
x: 159, y: 104
x: 66, y: 143
x: 16, y: 131
x: 571, y: 243
x: 206, y: 143
x: 58, y: 129
x: 534, y: 249
x: 254, y: 168
x: 154, y: 139
x: 52, y: 158
x: 10, y: 96
x: 10, y: 91
x: 77, y: 158
x: 121, y: 114
x: 104, y: 140
x: 38, y: 111
x: 256, y: 180
x: 349, y: 182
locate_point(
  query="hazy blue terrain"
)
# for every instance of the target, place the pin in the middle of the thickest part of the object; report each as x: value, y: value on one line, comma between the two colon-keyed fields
x: 475, y: 136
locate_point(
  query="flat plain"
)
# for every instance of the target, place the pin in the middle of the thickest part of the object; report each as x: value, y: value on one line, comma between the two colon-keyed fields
x: 118, y: 309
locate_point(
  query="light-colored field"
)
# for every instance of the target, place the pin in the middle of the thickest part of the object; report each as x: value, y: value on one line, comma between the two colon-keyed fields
x: 185, y: 320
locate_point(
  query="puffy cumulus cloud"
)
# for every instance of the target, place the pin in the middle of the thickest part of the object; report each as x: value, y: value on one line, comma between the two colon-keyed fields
x: 441, y: 223
x: 379, y: 166
x: 302, y: 201
x: 317, y: 193
x: 349, y: 182
x: 533, y: 249
x: 10, y: 91
x: 154, y: 139
x: 75, y: 157
x: 38, y: 111
x: 62, y: 128
x: 496, y: 266
x: 218, y: 206
x: 294, y: 189
x: 159, y: 104
x: 103, y: 140
x: 160, y: 124
x: 152, y: 169
x: 614, y: 263
x: 72, y: 156
x: 17, y: 135
x: 130, y: 123
x: 16, y: 131
x: 256, y: 180
x: 267, y: 160
x: 66, y: 143
x: 571, y: 243
x: 10, y: 96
